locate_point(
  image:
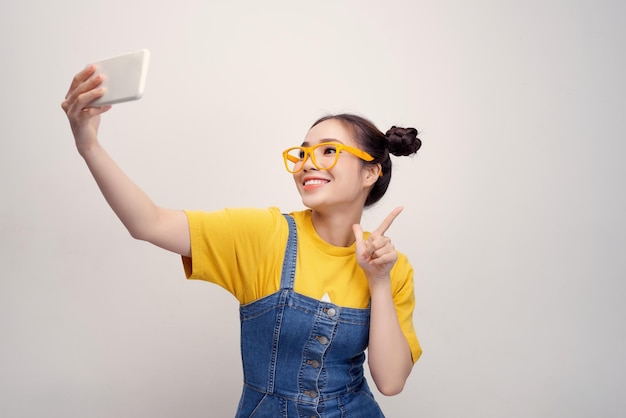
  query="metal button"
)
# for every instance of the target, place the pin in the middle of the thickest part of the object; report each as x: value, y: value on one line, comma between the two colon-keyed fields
x: 322, y: 340
x: 313, y: 363
x: 331, y: 312
x: 310, y: 393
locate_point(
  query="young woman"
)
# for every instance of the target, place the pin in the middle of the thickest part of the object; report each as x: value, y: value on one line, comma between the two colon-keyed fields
x: 315, y: 291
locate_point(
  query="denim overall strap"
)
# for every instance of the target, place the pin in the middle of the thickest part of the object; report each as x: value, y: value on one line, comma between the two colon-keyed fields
x: 286, y: 285
x: 291, y: 254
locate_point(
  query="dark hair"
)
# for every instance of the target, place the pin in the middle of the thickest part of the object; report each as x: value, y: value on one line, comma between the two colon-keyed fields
x: 397, y: 141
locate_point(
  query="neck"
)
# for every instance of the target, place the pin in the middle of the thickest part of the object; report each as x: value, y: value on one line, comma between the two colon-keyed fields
x: 336, y: 228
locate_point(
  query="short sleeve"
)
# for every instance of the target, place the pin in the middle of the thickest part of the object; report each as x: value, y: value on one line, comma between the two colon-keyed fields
x: 240, y: 250
x: 404, y: 301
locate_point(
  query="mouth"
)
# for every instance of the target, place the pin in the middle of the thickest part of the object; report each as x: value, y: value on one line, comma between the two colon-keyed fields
x: 314, y: 183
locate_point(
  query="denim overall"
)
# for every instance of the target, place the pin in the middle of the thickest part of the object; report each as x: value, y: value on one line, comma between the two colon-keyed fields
x: 303, y: 357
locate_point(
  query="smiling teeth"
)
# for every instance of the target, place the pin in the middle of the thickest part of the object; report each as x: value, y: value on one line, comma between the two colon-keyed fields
x: 310, y: 182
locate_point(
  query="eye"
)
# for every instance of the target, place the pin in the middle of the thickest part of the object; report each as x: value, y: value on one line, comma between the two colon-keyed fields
x: 300, y: 154
x: 329, y: 149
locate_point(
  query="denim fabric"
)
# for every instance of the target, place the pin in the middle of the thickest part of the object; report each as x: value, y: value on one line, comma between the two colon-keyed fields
x: 303, y: 357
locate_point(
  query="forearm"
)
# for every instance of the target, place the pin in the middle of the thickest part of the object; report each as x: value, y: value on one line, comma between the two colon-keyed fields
x: 389, y: 355
x: 131, y: 205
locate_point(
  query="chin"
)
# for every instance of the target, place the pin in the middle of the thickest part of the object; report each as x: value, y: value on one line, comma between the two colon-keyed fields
x: 309, y: 204
x: 313, y: 203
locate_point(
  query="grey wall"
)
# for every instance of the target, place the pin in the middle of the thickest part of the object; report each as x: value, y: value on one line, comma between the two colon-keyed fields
x: 514, y: 208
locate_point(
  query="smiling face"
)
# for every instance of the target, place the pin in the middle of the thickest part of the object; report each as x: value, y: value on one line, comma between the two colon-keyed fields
x: 346, y: 184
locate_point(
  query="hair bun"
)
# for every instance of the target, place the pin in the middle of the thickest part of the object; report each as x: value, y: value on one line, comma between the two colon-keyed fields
x: 403, y: 141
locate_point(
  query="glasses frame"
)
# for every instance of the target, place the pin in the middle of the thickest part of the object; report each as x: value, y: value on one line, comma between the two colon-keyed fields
x: 310, y: 152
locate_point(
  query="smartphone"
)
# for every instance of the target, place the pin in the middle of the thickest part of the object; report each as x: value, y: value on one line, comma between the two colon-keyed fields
x: 124, y: 77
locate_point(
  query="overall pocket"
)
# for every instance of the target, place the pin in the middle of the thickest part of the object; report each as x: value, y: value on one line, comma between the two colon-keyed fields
x: 255, y: 404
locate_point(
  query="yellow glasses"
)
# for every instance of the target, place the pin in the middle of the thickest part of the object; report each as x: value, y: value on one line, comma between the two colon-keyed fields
x: 323, y: 155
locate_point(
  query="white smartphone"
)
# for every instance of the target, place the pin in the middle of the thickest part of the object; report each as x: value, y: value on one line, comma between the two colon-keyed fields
x: 124, y: 77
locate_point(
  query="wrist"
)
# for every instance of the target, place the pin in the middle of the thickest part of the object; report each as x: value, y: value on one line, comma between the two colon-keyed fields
x: 87, y: 150
x: 378, y: 284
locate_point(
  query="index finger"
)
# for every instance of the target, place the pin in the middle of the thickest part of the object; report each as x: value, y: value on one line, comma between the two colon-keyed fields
x: 386, y: 223
x: 83, y: 75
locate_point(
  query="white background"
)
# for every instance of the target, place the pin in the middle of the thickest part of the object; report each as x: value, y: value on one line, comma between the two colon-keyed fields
x: 514, y: 208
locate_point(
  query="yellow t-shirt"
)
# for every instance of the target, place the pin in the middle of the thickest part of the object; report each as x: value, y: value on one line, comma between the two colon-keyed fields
x: 242, y: 250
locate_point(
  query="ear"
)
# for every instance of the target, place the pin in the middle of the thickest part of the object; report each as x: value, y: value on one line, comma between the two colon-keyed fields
x: 371, y: 174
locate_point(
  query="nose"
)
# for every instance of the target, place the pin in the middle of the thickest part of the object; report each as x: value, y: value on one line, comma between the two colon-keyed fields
x: 308, y: 164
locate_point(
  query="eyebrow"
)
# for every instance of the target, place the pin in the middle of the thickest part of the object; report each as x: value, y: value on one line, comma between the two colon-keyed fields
x: 306, y: 144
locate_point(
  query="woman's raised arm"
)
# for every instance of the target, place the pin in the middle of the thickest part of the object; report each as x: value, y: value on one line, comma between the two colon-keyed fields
x: 144, y: 220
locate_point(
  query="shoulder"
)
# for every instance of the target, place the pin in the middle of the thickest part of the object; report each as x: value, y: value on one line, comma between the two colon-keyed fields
x: 301, y: 216
x: 237, y: 224
x: 236, y: 216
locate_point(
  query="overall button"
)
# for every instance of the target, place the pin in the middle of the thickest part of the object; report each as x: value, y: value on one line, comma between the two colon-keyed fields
x: 322, y: 340
x: 313, y: 363
x: 310, y: 393
x: 331, y: 312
